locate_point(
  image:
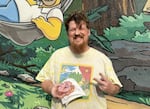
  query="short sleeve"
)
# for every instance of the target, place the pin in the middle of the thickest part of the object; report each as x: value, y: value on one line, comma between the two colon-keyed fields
x: 110, y: 72
x: 47, y: 72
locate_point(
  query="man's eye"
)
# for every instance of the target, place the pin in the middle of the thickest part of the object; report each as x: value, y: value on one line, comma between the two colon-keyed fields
x: 72, y: 30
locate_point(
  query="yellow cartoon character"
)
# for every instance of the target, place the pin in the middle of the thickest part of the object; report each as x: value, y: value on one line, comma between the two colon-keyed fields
x: 146, y: 8
x: 18, y: 16
x: 51, y: 18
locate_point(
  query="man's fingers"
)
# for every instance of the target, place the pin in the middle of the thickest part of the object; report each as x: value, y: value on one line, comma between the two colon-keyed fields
x: 99, y: 81
x: 96, y: 79
x: 103, y: 78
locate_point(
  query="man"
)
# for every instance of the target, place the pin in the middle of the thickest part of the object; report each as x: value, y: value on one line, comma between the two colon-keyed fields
x: 90, y: 68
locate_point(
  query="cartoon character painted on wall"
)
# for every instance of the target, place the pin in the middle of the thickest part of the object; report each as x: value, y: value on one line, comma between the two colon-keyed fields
x: 45, y: 14
x: 146, y: 8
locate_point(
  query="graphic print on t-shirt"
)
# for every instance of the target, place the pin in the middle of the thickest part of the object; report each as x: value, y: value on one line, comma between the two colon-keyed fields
x: 82, y: 75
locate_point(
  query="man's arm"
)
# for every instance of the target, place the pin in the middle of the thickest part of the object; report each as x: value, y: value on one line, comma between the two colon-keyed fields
x: 54, y: 89
x: 47, y: 86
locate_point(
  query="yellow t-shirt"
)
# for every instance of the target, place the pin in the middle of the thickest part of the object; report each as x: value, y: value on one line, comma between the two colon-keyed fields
x: 83, y: 68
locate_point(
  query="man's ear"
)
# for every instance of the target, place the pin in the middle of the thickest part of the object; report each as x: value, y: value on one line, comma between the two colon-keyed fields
x: 89, y: 32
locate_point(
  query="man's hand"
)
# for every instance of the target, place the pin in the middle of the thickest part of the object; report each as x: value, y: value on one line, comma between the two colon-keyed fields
x: 62, y: 89
x: 106, y: 85
x: 57, y: 90
x: 56, y: 93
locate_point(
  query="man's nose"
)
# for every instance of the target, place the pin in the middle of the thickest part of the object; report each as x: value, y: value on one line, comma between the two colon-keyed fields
x: 77, y: 31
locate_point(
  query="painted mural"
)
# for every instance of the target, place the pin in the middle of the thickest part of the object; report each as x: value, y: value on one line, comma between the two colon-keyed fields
x: 31, y: 30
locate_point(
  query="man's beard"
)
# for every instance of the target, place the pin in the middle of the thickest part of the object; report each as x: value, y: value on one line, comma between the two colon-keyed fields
x: 78, y: 48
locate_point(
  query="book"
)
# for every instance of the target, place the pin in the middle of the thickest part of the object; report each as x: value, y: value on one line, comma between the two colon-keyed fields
x: 76, y: 91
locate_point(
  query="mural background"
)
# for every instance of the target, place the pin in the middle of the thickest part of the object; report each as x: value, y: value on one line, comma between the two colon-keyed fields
x: 120, y: 28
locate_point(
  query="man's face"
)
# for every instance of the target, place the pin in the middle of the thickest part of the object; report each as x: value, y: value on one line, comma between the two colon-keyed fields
x: 78, y: 35
x: 49, y: 2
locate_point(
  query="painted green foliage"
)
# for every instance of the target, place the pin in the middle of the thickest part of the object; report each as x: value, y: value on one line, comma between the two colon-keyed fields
x: 29, y: 59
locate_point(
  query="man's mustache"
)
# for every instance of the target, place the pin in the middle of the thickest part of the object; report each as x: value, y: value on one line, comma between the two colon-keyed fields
x: 76, y: 36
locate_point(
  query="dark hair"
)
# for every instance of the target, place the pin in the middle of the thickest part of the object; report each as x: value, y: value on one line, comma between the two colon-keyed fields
x: 77, y: 16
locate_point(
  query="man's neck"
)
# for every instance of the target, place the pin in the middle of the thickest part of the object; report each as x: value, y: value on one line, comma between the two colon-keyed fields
x: 79, y: 50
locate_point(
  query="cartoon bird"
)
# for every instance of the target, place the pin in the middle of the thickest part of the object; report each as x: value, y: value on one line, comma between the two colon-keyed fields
x: 19, y: 19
